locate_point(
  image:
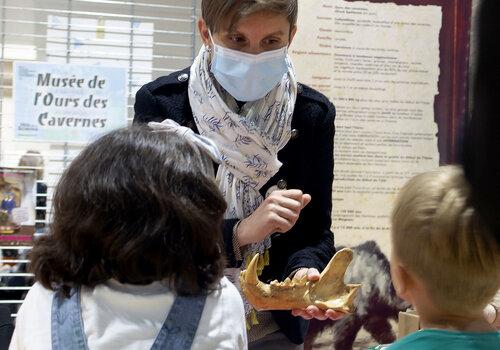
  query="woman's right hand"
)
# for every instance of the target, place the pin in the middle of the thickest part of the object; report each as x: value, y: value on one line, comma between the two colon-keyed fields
x: 277, y: 213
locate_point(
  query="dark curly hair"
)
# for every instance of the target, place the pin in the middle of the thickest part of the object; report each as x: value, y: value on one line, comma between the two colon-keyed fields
x: 136, y: 206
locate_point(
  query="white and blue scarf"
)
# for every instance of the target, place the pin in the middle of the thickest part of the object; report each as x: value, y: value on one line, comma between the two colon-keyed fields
x: 248, y: 141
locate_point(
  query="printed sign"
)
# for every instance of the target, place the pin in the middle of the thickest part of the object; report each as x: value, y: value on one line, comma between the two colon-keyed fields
x: 68, y: 103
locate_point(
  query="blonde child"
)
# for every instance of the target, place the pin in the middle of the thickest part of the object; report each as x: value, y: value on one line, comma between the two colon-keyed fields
x: 445, y: 262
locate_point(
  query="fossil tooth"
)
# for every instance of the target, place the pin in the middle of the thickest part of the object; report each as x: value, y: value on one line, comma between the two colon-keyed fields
x: 329, y: 292
x: 332, y: 277
x: 250, y: 274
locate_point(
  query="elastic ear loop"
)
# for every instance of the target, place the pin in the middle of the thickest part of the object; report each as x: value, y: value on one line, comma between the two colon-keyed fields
x: 208, y: 47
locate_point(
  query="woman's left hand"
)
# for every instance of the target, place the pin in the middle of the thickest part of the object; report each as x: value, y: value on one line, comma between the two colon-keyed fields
x: 313, y: 311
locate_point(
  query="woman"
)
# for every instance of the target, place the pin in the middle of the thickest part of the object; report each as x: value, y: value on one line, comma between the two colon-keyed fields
x: 276, y: 141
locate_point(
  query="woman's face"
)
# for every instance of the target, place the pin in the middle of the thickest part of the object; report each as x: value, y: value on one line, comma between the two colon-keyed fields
x: 254, y: 34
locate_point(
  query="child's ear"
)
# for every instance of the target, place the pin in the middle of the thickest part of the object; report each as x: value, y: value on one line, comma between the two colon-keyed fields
x: 401, y: 280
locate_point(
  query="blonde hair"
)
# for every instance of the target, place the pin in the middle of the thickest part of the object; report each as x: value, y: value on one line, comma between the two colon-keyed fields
x: 440, y: 237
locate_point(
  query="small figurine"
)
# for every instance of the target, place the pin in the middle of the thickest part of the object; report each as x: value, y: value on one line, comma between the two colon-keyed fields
x: 8, y: 203
x: 7, y: 226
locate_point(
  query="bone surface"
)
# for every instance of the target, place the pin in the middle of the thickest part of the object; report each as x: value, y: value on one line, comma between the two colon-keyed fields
x: 329, y: 292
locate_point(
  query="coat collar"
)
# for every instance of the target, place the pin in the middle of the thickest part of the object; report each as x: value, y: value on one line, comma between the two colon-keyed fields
x: 178, y: 78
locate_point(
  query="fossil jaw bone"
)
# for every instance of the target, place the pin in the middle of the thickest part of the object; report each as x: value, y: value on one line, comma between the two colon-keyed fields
x: 329, y: 292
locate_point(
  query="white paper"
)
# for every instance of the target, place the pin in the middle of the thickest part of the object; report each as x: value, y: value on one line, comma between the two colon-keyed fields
x: 20, y: 215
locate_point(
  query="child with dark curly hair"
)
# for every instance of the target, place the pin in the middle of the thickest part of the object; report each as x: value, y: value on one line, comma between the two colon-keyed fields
x: 133, y: 260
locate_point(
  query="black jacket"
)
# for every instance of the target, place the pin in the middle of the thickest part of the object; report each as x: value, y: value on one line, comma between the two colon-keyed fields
x: 307, y: 165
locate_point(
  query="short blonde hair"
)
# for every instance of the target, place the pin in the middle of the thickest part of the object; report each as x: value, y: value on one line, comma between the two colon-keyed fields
x: 439, y: 236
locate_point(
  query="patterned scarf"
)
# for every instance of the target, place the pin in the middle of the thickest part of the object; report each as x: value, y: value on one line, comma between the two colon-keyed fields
x: 248, y: 141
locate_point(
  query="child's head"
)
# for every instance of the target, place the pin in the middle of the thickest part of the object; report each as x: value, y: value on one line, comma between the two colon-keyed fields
x: 438, y: 237
x: 135, y: 206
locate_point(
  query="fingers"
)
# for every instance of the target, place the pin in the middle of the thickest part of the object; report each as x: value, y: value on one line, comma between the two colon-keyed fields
x: 302, y: 198
x: 306, y: 199
x: 334, y: 315
x: 280, y: 224
x: 313, y: 275
x: 286, y: 202
x: 281, y: 210
x: 277, y: 214
x: 293, y: 194
x: 314, y: 312
x: 310, y: 312
x: 286, y: 213
x: 300, y: 273
x: 294, y: 200
x: 301, y: 313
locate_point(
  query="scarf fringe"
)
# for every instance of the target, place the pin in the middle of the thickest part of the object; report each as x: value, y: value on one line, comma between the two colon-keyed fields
x: 248, y: 143
x: 251, y: 318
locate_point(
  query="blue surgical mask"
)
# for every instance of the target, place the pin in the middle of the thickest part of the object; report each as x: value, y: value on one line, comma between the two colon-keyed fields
x: 248, y: 77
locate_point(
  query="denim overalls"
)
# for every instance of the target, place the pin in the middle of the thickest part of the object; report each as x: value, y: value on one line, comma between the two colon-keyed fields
x: 177, y: 333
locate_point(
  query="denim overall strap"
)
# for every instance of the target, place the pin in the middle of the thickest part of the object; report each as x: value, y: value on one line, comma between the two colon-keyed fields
x: 180, y: 327
x: 67, y: 324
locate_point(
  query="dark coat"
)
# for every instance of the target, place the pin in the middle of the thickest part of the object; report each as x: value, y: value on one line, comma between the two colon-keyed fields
x: 307, y: 165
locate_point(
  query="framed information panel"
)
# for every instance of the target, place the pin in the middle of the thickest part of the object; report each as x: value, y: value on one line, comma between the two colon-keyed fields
x: 397, y: 73
x: 451, y: 102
